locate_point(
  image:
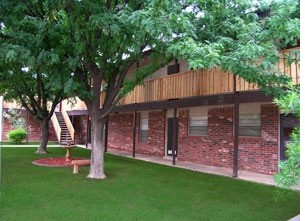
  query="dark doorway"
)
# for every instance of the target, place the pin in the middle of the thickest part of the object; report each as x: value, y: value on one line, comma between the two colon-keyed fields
x: 287, y: 124
x: 170, y: 135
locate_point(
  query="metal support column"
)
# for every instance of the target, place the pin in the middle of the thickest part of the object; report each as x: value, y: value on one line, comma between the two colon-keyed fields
x: 175, y: 136
x: 106, y: 134
x: 235, y: 130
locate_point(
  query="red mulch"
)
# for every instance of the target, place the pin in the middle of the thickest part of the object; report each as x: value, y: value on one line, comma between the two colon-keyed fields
x: 55, y: 162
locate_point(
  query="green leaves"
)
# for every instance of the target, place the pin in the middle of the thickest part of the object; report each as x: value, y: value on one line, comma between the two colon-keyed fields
x: 289, y: 175
x: 289, y: 103
x: 11, y: 55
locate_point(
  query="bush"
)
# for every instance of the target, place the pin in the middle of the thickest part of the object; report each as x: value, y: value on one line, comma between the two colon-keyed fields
x: 17, y: 135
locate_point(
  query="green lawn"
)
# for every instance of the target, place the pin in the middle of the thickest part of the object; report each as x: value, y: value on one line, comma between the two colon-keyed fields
x: 134, y: 190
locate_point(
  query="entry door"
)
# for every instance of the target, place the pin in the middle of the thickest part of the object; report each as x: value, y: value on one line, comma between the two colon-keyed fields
x: 170, y: 134
x: 287, y: 123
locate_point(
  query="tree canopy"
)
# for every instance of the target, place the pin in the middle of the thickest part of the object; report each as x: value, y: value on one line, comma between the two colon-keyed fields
x: 31, y: 67
x: 243, y: 37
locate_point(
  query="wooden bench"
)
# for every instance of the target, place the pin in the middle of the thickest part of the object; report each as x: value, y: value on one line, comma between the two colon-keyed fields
x: 77, y: 163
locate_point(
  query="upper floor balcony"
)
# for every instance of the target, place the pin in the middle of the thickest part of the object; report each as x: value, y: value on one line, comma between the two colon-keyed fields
x: 198, y: 83
x: 188, y: 84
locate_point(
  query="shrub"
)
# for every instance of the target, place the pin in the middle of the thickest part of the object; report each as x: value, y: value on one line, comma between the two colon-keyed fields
x: 17, y: 135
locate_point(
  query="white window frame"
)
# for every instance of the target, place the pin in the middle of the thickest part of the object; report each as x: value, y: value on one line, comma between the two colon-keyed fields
x: 250, y: 121
x: 198, y: 121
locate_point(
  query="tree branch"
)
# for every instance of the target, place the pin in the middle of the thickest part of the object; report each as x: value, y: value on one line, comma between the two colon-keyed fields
x: 111, y: 94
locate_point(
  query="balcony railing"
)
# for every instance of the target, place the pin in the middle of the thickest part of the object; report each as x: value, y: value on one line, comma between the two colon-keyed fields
x: 197, y: 83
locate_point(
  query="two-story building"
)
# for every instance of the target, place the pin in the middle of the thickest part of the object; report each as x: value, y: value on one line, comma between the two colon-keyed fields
x: 207, y: 117
x: 204, y: 116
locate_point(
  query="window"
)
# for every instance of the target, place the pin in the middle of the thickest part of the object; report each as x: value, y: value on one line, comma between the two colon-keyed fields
x: 143, y: 129
x: 250, y: 125
x: 198, y: 125
x: 172, y: 69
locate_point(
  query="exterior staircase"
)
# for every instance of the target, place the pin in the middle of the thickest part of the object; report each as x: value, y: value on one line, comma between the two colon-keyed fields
x: 65, y: 137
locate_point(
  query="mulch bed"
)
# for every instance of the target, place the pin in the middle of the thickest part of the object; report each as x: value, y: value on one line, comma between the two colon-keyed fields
x: 55, y: 162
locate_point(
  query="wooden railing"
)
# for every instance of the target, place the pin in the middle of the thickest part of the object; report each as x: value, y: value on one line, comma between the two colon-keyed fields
x: 187, y: 84
x: 56, y: 126
x: 197, y: 83
x: 292, y: 70
x: 69, y: 124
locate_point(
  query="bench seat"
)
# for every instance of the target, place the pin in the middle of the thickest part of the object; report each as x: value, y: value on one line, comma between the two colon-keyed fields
x: 77, y: 163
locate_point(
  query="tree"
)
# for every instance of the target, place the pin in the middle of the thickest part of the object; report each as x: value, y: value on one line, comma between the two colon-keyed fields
x: 35, y: 93
x: 97, y: 41
x: 106, y: 38
x: 31, y: 70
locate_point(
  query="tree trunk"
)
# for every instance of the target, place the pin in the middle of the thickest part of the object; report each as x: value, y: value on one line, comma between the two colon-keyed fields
x: 97, y: 144
x: 44, y: 126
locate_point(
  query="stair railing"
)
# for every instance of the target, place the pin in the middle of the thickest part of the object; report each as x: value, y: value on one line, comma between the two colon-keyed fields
x: 69, y: 125
x: 56, y: 127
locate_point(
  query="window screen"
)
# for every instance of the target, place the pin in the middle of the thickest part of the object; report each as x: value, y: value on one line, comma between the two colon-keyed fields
x: 250, y: 125
x: 198, y: 125
x: 144, y: 129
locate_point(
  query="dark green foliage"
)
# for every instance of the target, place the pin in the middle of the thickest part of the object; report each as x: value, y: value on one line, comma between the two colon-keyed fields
x: 17, y: 135
x: 33, y: 67
x: 289, y: 174
x: 242, y: 37
x: 134, y: 190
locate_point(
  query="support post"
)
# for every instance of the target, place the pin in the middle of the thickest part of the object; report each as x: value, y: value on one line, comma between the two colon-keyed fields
x: 106, y: 134
x: 88, y: 128
x: 165, y: 132
x: 235, y: 130
x: 134, y: 134
x: 28, y: 121
x: 175, y: 137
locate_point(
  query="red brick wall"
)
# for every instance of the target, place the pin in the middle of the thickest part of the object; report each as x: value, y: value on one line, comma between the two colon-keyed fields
x: 260, y: 154
x: 213, y: 149
x: 36, y: 132
x: 80, y: 126
x: 257, y: 154
x: 120, y: 133
x: 156, y: 135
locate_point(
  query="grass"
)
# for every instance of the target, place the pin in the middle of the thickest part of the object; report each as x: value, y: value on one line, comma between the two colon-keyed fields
x: 134, y: 190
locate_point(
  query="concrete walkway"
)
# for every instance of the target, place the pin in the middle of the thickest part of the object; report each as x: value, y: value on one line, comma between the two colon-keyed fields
x: 296, y: 218
x: 242, y: 175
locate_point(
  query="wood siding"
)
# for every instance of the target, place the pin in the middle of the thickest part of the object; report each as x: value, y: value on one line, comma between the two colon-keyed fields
x: 197, y: 83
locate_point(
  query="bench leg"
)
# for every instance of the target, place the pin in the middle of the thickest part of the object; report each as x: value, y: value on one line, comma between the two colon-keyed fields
x: 75, y: 168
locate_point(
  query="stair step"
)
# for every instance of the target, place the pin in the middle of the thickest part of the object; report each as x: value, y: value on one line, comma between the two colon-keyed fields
x: 65, y: 137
